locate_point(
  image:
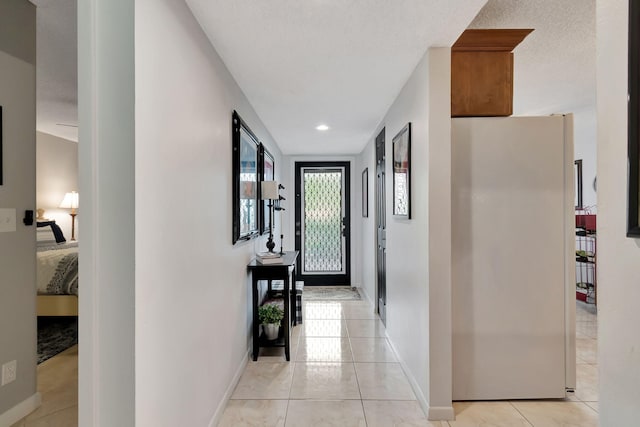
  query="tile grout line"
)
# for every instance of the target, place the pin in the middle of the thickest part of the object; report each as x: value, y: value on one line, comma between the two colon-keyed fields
x: 521, y: 414
x: 364, y: 414
x: 354, y: 369
x: 293, y: 371
x: 286, y: 414
x: 591, y: 407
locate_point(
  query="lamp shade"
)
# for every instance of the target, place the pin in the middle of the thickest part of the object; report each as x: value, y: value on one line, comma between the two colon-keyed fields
x: 70, y: 201
x: 270, y: 190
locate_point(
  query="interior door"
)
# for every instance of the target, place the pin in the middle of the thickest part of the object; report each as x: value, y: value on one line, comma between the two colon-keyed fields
x: 322, y: 227
x: 381, y: 223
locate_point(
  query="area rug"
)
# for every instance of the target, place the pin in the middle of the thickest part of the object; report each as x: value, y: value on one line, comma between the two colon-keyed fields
x: 55, y: 335
x: 340, y: 293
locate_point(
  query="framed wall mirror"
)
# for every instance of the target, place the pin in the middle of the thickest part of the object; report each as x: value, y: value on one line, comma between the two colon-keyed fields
x: 267, y: 173
x: 402, y: 173
x: 633, y: 134
x: 245, y: 181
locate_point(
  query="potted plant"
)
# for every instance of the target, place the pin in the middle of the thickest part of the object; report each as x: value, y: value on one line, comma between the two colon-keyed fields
x: 270, y: 316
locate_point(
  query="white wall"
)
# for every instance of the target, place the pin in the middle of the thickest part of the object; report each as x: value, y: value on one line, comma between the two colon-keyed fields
x: 419, y: 281
x: 366, y: 246
x: 618, y: 256
x: 408, y: 240
x: 585, y: 137
x: 192, y: 290
x: 56, y: 174
x: 440, y: 316
x: 106, y: 391
x: 17, y: 248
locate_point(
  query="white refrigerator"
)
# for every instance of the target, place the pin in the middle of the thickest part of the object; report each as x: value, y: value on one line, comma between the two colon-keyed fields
x: 513, y: 257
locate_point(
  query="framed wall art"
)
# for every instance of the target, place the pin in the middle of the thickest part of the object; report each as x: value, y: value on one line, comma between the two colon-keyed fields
x: 245, y: 181
x: 365, y: 193
x: 267, y: 173
x: 402, y: 173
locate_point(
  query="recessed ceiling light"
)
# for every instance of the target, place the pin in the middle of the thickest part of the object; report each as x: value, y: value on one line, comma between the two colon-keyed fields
x: 322, y: 127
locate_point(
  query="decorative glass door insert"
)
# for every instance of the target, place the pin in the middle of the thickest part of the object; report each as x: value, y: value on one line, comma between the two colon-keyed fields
x: 323, y: 199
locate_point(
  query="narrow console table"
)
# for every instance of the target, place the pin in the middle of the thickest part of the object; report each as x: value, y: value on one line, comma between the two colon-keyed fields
x: 285, y: 271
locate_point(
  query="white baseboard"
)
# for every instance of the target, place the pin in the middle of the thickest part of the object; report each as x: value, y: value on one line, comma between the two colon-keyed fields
x: 21, y: 410
x: 366, y: 295
x: 227, y: 395
x: 441, y: 413
x: 435, y: 413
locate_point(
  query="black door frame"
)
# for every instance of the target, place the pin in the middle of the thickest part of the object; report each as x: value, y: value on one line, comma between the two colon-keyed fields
x: 329, y: 279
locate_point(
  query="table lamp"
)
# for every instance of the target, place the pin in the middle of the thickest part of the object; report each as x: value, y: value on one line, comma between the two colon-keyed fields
x: 70, y: 201
x: 269, y: 191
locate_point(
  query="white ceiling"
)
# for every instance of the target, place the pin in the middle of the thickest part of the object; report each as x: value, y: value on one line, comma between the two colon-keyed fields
x: 56, y: 68
x: 555, y: 66
x: 302, y: 63
x: 342, y: 63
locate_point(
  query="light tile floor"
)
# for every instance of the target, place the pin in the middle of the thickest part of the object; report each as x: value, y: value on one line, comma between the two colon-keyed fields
x: 347, y: 365
x: 58, y: 385
x: 343, y: 372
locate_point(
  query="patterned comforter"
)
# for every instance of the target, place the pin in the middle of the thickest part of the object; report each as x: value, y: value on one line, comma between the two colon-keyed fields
x: 58, y: 271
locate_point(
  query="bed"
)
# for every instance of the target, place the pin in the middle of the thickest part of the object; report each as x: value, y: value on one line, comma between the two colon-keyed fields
x: 57, y: 272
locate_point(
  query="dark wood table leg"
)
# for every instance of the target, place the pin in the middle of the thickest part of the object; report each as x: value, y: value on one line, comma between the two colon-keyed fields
x: 256, y: 325
x: 294, y: 301
x: 287, y: 312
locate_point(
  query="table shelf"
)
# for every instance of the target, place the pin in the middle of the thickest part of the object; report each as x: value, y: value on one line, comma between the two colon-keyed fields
x: 285, y: 271
x: 278, y: 342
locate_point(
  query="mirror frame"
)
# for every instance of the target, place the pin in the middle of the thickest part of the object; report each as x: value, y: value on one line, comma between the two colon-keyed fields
x: 242, y: 135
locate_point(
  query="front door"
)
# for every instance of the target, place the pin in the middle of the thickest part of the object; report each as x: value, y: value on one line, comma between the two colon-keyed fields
x: 381, y: 226
x: 323, y: 223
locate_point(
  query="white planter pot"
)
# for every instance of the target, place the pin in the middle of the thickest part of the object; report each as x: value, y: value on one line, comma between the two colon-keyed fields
x: 271, y: 330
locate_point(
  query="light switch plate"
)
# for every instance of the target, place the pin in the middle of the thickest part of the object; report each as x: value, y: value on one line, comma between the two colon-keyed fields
x: 9, y: 372
x: 7, y: 220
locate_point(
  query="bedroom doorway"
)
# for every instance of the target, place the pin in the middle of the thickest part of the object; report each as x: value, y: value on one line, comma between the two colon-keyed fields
x: 322, y: 222
x: 57, y: 221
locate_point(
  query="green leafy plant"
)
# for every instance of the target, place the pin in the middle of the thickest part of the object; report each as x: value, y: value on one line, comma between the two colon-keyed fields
x: 270, y: 313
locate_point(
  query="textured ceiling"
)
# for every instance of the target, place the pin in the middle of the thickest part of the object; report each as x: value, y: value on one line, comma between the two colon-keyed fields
x: 555, y: 66
x: 342, y: 63
x: 302, y: 63
x: 56, y: 68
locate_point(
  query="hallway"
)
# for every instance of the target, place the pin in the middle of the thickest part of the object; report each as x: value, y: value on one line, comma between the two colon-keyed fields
x: 343, y: 372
